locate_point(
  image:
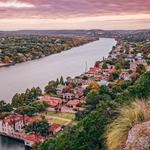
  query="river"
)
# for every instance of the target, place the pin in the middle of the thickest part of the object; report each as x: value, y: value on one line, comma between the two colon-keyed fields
x: 17, y: 78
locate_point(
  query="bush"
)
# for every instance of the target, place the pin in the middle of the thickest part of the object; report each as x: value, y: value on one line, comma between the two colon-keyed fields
x: 117, y: 132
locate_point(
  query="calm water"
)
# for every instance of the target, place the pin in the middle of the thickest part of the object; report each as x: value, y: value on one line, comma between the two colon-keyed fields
x: 38, y: 72
x: 11, y: 144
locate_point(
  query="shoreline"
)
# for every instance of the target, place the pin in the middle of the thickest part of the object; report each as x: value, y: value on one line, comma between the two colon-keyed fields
x: 3, y: 65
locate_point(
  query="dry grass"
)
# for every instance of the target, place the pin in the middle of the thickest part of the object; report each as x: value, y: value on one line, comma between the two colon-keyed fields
x: 117, y: 132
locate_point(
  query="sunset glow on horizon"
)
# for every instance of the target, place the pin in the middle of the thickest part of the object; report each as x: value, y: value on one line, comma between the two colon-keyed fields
x: 74, y: 14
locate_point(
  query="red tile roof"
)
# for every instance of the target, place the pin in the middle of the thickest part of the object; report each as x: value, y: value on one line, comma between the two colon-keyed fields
x: 33, y: 137
x: 17, y: 117
x: 73, y: 102
x: 135, y: 62
x: 54, y: 127
x: 109, y: 70
x: 93, y: 70
x: 52, y: 101
x: 28, y: 119
x: 11, y: 118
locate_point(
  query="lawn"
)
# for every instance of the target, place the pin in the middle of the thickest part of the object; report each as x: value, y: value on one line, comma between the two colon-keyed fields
x: 61, y: 115
x: 57, y: 121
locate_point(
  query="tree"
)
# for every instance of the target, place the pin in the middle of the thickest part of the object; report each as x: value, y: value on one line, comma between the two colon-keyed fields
x: 103, y: 90
x: 28, y: 110
x: 40, y: 106
x: 38, y: 92
x: 62, y: 80
x: 4, y: 107
x: 94, y: 85
x: 140, y: 69
x: 92, y: 98
x: 104, y: 66
x: 118, y: 66
x: 38, y: 127
x: 97, y: 64
x: 4, y: 114
x: 57, y: 81
x: 51, y: 88
x: 87, y: 90
x: 17, y: 100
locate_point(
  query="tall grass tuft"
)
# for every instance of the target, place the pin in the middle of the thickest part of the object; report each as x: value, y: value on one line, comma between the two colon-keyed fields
x: 117, y: 132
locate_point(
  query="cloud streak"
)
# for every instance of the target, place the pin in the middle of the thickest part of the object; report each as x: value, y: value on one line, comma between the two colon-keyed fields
x: 15, y: 4
x: 83, y: 13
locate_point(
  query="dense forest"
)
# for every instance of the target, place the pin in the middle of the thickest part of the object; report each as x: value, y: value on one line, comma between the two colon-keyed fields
x: 21, y: 48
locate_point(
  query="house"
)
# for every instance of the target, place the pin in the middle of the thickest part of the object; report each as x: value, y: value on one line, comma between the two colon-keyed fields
x: 114, y: 55
x: 14, y: 123
x: 31, y: 139
x: 69, y: 79
x: 109, y: 58
x: 133, y: 65
x: 54, y: 128
x: 68, y: 96
x: 59, y: 89
x: 78, y: 79
x: 11, y: 124
x: 109, y: 70
x: 103, y: 82
x: 125, y: 76
x: 93, y: 70
x: 73, y: 103
x: 51, y: 101
x: 78, y: 92
x: 139, y: 56
x: 130, y: 58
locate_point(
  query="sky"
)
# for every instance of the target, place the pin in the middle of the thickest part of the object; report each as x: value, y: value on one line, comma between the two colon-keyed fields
x: 74, y: 14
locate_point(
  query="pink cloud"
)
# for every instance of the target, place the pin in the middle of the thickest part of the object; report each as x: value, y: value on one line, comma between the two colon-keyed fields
x: 15, y: 4
x: 66, y: 9
x: 69, y: 8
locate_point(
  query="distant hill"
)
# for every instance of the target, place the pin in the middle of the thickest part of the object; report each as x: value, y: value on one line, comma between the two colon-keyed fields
x: 94, y: 32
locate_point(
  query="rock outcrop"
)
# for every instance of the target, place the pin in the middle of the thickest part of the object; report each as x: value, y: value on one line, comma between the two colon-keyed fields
x: 139, y: 137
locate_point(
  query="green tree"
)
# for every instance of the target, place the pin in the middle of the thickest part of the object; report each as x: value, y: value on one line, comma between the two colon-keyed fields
x: 104, y: 66
x: 62, y: 80
x: 92, y: 98
x: 40, y: 106
x: 38, y: 127
x: 57, y: 81
x: 28, y: 110
x: 51, y: 88
x: 17, y: 100
x: 140, y: 69
x: 4, y: 107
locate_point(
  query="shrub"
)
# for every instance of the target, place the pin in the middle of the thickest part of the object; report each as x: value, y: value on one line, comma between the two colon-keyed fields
x: 117, y: 131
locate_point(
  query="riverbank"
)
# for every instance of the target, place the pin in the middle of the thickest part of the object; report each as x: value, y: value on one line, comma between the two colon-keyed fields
x: 27, y: 48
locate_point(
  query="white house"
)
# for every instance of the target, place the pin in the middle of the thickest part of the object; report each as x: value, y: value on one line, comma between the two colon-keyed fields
x: 11, y: 124
x: 68, y: 96
x: 59, y: 89
x: 125, y: 76
x: 103, y: 82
